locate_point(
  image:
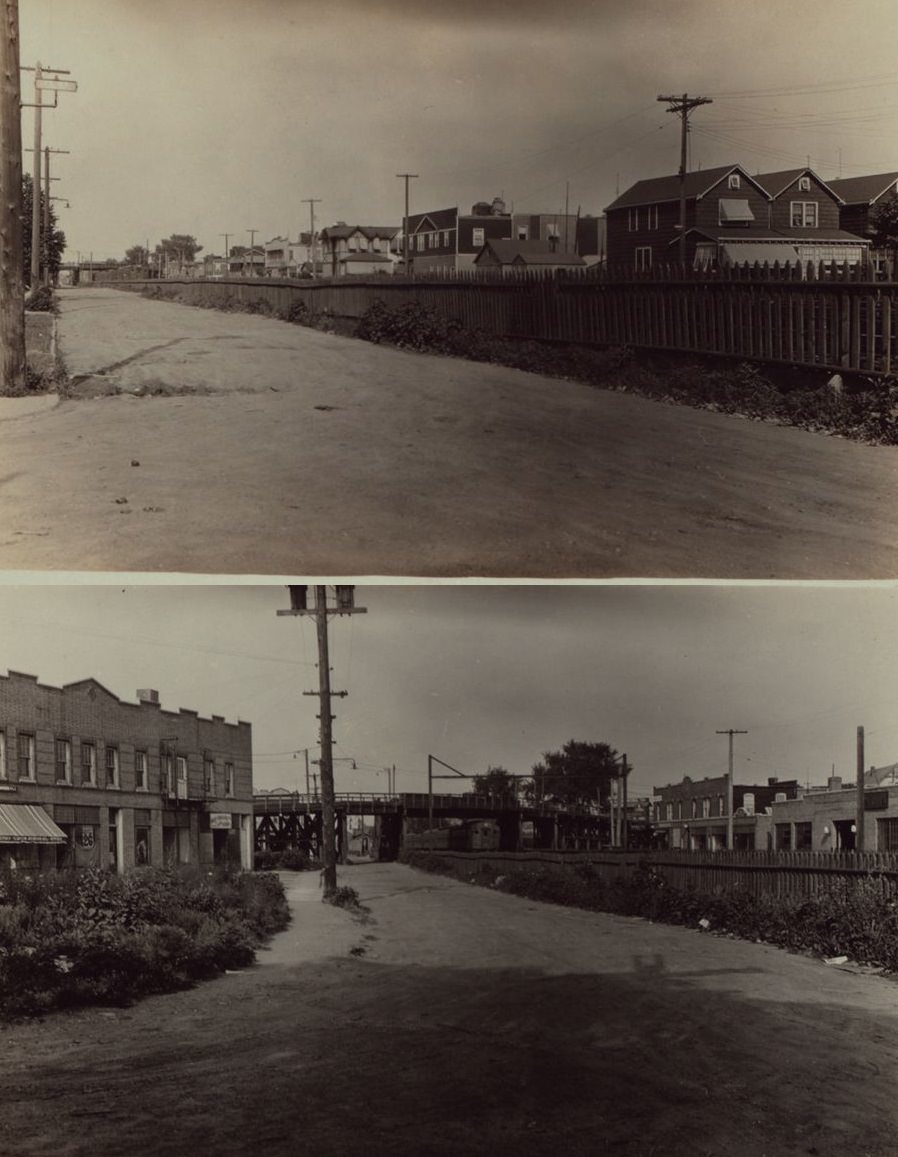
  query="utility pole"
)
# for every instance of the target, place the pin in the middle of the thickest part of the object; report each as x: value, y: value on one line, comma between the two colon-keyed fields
x: 47, y: 200
x: 683, y: 105
x: 312, y: 202
x: 12, y: 281
x: 252, y: 247
x: 46, y: 79
x: 227, y: 238
x: 406, y: 244
x: 344, y: 604
x: 731, y: 731
x: 624, y: 772
x: 861, y: 802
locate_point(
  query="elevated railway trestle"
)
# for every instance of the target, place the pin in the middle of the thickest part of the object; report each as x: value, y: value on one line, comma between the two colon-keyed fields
x: 292, y: 821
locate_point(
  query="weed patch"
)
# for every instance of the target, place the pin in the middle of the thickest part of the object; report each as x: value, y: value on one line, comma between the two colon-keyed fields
x: 68, y: 940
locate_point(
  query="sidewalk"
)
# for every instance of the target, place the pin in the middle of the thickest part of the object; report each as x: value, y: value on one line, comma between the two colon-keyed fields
x: 317, y: 930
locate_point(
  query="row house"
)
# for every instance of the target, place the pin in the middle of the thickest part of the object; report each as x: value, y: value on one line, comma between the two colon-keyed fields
x: 731, y: 217
x: 692, y: 814
x: 358, y: 249
x: 89, y: 779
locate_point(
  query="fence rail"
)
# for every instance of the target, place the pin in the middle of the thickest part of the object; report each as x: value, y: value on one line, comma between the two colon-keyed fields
x: 833, y: 320
x: 758, y: 873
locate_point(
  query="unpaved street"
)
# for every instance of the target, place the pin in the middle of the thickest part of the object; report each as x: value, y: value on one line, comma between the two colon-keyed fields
x: 462, y: 1021
x: 245, y: 445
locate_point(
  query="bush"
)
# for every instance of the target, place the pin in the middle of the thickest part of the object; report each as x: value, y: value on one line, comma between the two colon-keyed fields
x: 95, y: 937
x: 42, y: 300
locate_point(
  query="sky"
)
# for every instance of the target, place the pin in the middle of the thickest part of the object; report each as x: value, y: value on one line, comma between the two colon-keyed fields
x: 486, y: 675
x: 222, y: 116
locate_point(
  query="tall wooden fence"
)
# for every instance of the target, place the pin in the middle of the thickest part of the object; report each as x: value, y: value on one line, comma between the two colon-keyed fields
x: 707, y: 873
x: 806, y: 316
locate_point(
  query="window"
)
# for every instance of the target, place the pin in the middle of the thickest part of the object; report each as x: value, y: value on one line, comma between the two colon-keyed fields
x: 695, y: 809
x: 706, y: 807
x: 209, y: 776
x: 112, y: 766
x: 182, y: 776
x: 89, y: 764
x: 652, y: 216
x: 643, y: 257
x: 783, y: 837
x: 3, y: 772
x: 229, y: 779
x: 803, y: 836
x: 446, y: 237
x: 804, y: 184
x: 633, y: 220
x: 167, y: 768
x: 141, y: 844
x: 420, y: 241
x: 668, y: 811
x: 522, y: 233
x: 887, y: 835
x: 721, y: 806
x: 734, y: 181
x: 803, y: 214
x: 63, y: 761
x: 25, y: 753
x: 477, y: 237
x: 748, y: 802
x: 734, y: 211
x: 140, y: 770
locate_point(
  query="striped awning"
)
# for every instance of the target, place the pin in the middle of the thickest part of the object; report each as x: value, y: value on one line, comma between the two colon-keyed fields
x: 25, y: 823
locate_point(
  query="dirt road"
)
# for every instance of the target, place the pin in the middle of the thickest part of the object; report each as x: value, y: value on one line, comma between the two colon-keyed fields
x: 462, y: 1021
x: 290, y: 451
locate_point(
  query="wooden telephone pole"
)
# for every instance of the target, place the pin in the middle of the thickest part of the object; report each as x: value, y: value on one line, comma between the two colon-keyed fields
x: 730, y: 731
x: 12, y: 280
x: 344, y: 604
x: 683, y: 105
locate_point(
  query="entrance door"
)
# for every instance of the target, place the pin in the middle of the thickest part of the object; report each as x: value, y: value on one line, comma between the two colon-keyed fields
x: 845, y: 836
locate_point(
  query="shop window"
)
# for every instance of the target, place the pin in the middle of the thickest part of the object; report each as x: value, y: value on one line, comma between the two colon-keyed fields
x: 803, y: 835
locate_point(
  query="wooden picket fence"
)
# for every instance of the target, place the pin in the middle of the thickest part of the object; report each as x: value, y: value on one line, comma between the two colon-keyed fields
x: 833, y: 319
x: 708, y: 873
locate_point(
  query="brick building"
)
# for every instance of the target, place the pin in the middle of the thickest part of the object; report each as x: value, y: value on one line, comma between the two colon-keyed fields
x: 692, y: 814
x: 86, y: 778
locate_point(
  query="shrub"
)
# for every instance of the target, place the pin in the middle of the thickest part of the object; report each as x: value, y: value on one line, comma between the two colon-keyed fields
x: 42, y: 300
x: 95, y: 937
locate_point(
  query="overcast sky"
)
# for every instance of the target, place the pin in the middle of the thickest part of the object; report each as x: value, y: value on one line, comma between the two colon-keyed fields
x: 481, y: 675
x: 223, y: 115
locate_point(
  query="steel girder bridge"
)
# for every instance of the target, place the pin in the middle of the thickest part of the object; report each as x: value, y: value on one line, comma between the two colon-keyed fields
x: 293, y: 820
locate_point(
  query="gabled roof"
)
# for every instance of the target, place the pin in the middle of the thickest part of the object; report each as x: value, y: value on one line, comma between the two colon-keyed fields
x: 863, y: 190
x: 776, y: 183
x: 656, y: 190
x: 369, y: 231
x: 534, y: 252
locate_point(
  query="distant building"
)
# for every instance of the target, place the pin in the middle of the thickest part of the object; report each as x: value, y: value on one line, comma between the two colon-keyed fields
x: 861, y: 199
x: 246, y: 262
x: 692, y: 814
x: 88, y: 779
x: 825, y: 818
x: 358, y: 249
x: 512, y: 256
x: 286, y: 258
x: 445, y: 239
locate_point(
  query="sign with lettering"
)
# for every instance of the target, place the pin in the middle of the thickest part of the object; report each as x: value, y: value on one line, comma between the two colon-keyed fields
x: 219, y: 820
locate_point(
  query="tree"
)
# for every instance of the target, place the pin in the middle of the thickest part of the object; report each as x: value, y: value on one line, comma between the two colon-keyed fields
x: 581, y: 773
x: 53, y: 245
x: 885, y: 226
x: 137, y: 255
x: 179, y: 249
x: 496, y: 783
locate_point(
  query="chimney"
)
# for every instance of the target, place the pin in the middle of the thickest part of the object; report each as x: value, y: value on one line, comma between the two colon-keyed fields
x: 834, y: 783
x: 147, y: 695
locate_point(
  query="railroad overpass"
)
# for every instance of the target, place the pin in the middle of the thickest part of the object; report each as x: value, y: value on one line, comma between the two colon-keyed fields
x: 293, y: 820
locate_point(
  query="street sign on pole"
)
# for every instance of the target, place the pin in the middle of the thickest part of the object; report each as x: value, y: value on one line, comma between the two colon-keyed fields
x: 51, y: 84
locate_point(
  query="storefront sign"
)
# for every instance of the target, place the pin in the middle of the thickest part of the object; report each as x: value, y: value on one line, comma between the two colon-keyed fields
x: 218, y: 820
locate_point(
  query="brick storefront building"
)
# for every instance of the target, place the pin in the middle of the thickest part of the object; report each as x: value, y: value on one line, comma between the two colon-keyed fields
x: 86, y: 778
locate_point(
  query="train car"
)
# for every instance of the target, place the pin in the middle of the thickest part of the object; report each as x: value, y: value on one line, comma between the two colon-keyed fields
x: 469, y: 836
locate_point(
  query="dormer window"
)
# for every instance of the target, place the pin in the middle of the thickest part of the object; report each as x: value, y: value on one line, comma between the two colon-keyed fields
x: 804, y: 184
x: 734, y: 181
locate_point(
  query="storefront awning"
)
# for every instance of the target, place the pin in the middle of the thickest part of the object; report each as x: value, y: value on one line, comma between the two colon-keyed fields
x: 740, y: 252
x: 25, y: 823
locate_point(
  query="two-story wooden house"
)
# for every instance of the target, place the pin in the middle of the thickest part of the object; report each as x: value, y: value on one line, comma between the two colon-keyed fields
x: 446, y: 239
x: 731, y: 218
x: 357, y: 249
x: 861, y: 200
